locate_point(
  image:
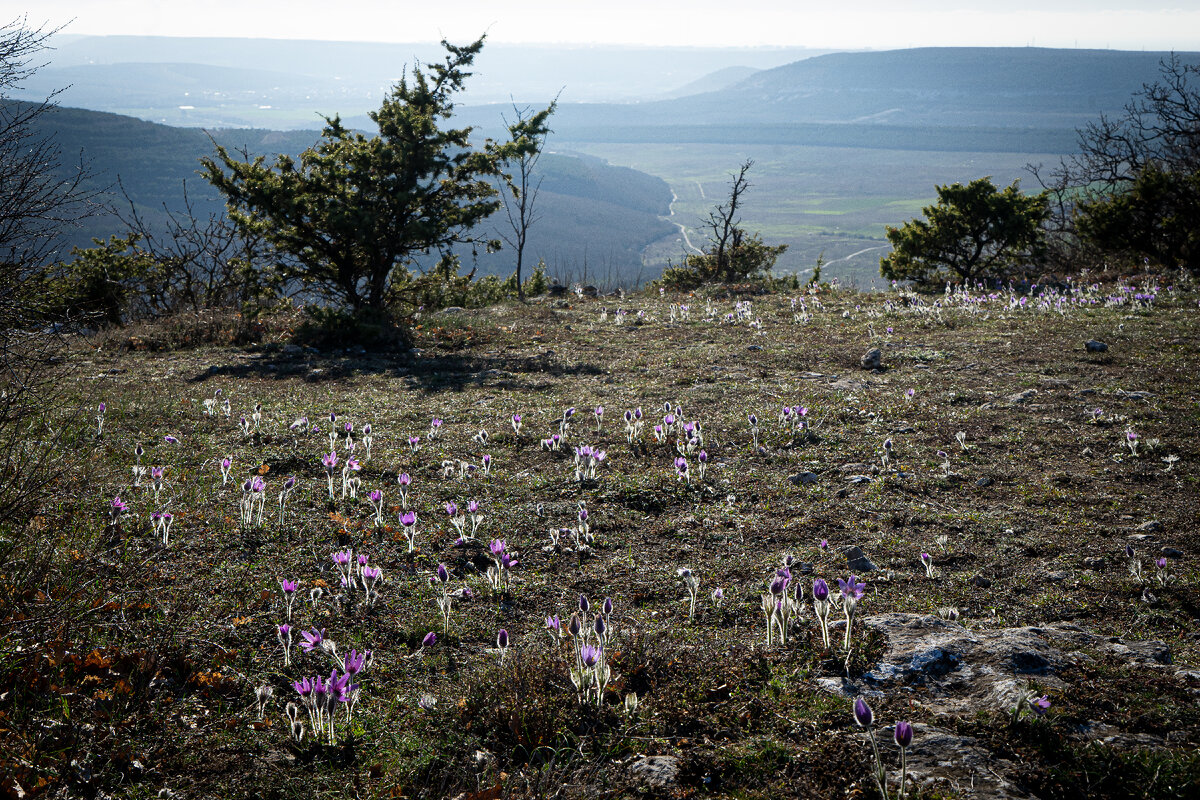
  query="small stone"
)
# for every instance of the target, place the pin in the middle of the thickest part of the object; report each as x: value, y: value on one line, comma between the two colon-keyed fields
x: 859, y: 479
x: 754, y: 347
x: 983, y: 483
x: 1022, y: 397
x: 1095, y: 346
x: 872, y: 359
x: 1096, y: 564
x: 1171, y: 552
x: 658, y: 772
x: 452, y: 310
x: 841, y: 494
x: 804, y: 479
x: 856, y: 468
x: 1153, y: 526
x: 1139, y: 537
x: 980, y: 581
x: 857, y: 560
x: 1057, y: 577
x: 292, y: 349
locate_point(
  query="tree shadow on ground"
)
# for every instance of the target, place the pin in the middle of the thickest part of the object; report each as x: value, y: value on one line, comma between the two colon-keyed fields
x: 440, y: 372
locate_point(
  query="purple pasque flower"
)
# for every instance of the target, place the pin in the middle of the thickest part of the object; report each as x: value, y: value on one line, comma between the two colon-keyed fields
x: 443, y: 574
x: 554, y: 624
x: 403, y: 479
x: 903, y: 733
x: 375, y: 495
x: 430, y: 640
x: 169, y: 439
x: 289, y: 587
x: 502, y: 639
x: 852, y: 589
x: 342, y: 557
x: 606, y: 607
x: 330, y: 461
x: 862, y: 713
x: 498, y: 546
x: 312, y: 639
x: 354, y: 661
x: 284, y: 633
x: 825, y: 545
x: 820, y: 590
x: 408, y: 519
x: 589, y: 655
x: 303, y: 687
x: 451, y: 509
x: 118, y: 506
x: 584, y: 605
x: 926, y: 559
x: 1040, y: 705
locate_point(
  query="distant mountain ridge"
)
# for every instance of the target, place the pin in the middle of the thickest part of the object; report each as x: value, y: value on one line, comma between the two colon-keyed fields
x: 971, y: 98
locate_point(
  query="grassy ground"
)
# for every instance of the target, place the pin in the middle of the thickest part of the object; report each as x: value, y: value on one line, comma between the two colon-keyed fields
x: 128, y: 667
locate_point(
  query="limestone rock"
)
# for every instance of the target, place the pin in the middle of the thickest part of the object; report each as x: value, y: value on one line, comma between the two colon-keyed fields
x: 656, y: 772
x: 1095, y: 346
x: 857, y: 560
x: 872, y: 359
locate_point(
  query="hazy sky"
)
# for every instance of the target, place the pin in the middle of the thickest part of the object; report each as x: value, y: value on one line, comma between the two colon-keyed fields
x: 1120, y: 24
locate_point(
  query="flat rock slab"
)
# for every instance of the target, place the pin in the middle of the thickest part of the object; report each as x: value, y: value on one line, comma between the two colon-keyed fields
x: 962, y: 670
x: 939, y: 760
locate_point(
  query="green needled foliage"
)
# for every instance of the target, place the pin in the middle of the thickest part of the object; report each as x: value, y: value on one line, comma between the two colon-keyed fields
x: 349, y: 219
x: 974, y: 232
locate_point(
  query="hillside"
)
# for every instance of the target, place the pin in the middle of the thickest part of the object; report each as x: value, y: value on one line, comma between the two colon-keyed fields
x: 589, y: 210
x: 949, y: 99
x: 1052, y: 490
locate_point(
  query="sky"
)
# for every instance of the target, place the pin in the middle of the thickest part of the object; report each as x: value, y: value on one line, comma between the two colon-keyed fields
x: 878, y: 24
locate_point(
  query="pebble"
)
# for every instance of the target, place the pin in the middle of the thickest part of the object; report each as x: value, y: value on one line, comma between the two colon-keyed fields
x: 980, y: 581
x: 1095, y: 346
x: 872, y: 359
x: 804, y: 479
x: 1171, y: 552
x: 983, y: 483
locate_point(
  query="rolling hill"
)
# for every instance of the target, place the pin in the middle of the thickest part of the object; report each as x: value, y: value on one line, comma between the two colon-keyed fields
x: 592, y: 213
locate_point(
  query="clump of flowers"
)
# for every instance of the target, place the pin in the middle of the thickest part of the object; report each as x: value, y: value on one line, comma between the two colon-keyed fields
x: 285, y: 493
x: 226, y: 466
x: 435, y: 429
x: 587, y: 462
x: 780, y: 604
x: 633, y: 424
x: 350, y: 480
x: 161, y: 520
x: 330, y: 463
x: 100, y: 410
x: 851, y: 592
x: 927, y: 562
x: 254, y: 497
x: 516, y: 424
x: 753, y: 419
x: 503, y: 563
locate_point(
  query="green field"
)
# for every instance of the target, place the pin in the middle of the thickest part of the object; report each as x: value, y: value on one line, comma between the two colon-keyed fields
x: 819, y: 200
